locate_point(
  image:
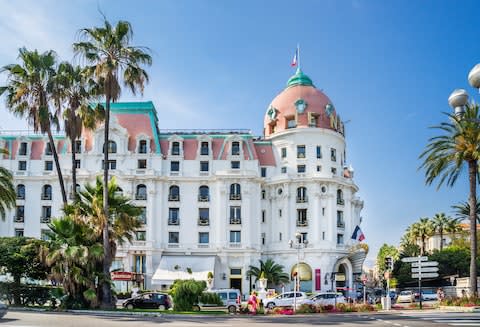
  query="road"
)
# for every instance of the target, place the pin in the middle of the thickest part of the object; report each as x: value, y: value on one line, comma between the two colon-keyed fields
x: 414, y: 319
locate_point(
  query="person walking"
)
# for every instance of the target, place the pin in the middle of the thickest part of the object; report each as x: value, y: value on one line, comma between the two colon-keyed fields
x: 252, y: 303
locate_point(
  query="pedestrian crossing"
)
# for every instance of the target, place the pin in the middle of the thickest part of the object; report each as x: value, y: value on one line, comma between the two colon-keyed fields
x: 449, y: 319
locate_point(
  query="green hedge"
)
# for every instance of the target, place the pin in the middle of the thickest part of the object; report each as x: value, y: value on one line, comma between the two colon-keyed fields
x: 28, y: 294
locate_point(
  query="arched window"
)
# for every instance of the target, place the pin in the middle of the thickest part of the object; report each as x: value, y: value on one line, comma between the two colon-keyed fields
x: 142, y: 146
x: 203, y: 193
x: 21, y: 192
x: 235, y: 192
x: 174, y: 193
x: 340, y: 199
x: 112, y: 147
x: 301, y: 194
x: 47, y: 192
x: 141, y: 193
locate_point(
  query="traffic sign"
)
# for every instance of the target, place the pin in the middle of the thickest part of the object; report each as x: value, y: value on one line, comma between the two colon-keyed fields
x: 425, y: 264
x: 425, y: 269
x: 425, y: 275
x: 414, y: 259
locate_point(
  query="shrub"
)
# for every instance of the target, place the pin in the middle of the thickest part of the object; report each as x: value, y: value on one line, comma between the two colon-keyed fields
x: 185, y: 293
x: 210, y: 298
x: 307, y: 308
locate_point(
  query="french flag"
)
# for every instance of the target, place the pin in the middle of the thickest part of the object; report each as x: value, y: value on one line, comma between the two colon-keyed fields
x: 295, y: 58
x: 358, y: 234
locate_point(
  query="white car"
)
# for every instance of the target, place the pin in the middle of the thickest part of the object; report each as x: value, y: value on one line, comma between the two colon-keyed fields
x: 406, y: 296
x: 285, y: 299
x: 429, y: 296
x: 326, y: 298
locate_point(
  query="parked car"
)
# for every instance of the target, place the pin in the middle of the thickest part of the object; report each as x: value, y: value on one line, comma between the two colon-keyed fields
x: 3, y: 309
x: 150, y: 300
x: 406, y: 296
x: 285, y: 299
x: 429, y: 295
x: 375, y: 296
x: 230, y: 298
x: 325, y: 298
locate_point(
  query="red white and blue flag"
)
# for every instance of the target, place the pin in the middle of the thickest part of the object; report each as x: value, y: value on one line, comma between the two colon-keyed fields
x: 295, y: 59
x: 358, y: 234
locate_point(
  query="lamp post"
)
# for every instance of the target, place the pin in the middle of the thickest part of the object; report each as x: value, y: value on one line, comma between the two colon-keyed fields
x: 299, y: 243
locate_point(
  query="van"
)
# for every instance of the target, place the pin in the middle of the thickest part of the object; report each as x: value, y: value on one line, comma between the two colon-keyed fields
x: 230, y: 298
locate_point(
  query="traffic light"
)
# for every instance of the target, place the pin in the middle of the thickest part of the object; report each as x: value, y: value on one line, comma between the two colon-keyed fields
x: 388, y: 263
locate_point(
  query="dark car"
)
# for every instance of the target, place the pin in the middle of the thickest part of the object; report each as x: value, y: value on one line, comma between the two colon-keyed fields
x: 151, y: 300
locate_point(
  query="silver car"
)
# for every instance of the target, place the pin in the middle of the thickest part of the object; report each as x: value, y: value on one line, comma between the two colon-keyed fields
x: 326, y: 298
x: 285, y: 299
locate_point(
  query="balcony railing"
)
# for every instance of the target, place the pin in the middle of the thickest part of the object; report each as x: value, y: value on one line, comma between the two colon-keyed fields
x: 45, y: 220
x: 46, y: 196
x: 174, y: 221
x: 140, y: 196
x: 174, y: 197
x: 302, y: 199
x: 340, y: 224
x: 203, y: 198
x: 235, y: 244
x: 19, y: 219
x: 203, y: 221
x: 235, y: 221
x: 234, y: 196
x: 302, y: 223
x: 341, y: 201
x: 20, y: 196
x: 203, y: 245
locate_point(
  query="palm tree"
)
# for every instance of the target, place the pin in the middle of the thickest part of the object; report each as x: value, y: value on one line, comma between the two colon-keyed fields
x: 422, y: 229
x: 272, y: 271
x: 121, y: 222
x: 7, y: 191
x: 462, y: 210
x: 31, y: 92
x: 111, y: 59
x: 445, y: 157
x: 442, y: 223
x: 77, y: 90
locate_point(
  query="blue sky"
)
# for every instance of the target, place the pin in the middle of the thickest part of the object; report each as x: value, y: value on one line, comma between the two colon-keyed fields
x: 388, y: 67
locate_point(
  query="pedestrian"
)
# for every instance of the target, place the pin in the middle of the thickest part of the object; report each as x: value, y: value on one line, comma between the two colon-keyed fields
x: 252, y: 303
x: 440, y: 294
x: 464, y: 293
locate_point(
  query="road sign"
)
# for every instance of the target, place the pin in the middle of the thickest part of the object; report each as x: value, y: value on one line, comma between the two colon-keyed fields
x: 425, y: 275
x: 414, y: 259
x: 425, y: 264
x: 425, y: 269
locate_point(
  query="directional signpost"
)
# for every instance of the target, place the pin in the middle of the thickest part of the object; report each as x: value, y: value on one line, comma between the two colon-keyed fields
x: 422, y: 268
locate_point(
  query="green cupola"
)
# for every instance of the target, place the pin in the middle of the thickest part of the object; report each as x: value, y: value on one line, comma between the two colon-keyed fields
x: 299, y: 79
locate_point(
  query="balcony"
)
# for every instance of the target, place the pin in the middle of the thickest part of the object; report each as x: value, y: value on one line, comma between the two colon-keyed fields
x: 18, y: 219
x: 302, y: 199
x: 203, y: 245
x: 203, y: 198
x: 173, y: 245
x: 203, y: 222
x: 340, y: 224
x: 235, y: 196
x: 174, y: 221
x: 45, y: 220
x: 235, y: 221
x: 341, y: 201
x: 302, y: 223
x: 46, y: 197
x: 20, y: 196
x: 173, y: 197
x: 142, y: 220
x: 235, y: 244
x: 140, y: 196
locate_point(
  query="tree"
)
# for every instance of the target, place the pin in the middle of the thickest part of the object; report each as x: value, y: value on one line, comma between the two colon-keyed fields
x: 422, y: 229
x: 111, y: 59
x: 7, y: 190
x: 272, y: 271
x: 386, y: 251
x: 462, y: 210
x: 445, y: 158
x: 32, y: 94
x: 441, y: 223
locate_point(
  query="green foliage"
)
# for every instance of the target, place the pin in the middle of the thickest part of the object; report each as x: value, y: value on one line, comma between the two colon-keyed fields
x: 210, y: 274
x: 386, y: 251
x: 452, y: 261
x: 270, y: 270
x: 27, y: 294
x: 7, y: 190
x: 210, y: 298
x: 186, y: 293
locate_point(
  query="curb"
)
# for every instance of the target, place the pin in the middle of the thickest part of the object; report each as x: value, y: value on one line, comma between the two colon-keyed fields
x: 91, y: 312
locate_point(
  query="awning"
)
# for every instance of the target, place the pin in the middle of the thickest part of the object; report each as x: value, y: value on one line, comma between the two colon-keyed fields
x: 174, y: 267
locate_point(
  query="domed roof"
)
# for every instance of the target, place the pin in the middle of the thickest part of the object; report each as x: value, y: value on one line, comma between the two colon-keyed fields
x: 301, y: 105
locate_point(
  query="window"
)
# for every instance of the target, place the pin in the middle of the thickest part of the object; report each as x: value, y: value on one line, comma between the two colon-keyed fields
x: 339, y: 239
x: 173, y: 216
x: 319, y: 168
x: 235, y: 164
x: 340, y: 221
x: 175, y: 148
x: 235, y: 192
x: 173, y: 237
x: 333, y: 154
x: 323, y: 211
x: 203, y: 193
x: 141, y: 193
x: 112, y: 147
x: 235, y: 236
x: 304, y: 237
x: 77, y: 146
x: 340, y: 199
x: 234, y: 271
x: 235, y: 215
x: 142, y: 218
x: 175, y: 166
x: 46, y: 192
x: 140, y: 235
x: 279, y: 236
x: 21, y: 192
x: 300, y: 151
x: 264, y: 194
x: 204, y: 149
x: 203, y: 166
x: 334, y: 170
x: 203, y: 216
x: 49, y: 165
x: 301, y: 194
x: 174, y: 193
x: 23, y: 149
x: 263, y: 172
x: 302, y: 218
x: 19, y: 214
x: 284, y: 152
x: 279, y: 212
x: 48, y: 149
x: 284, y: 170
x: 142, y: 146
x: 22, y: 165
x: 313, y: 120
x: 319, y: 152
x: 301, y: 169
x: 323, y: 235
x: 140, y: 261
x: 291, y: 123
x: 77, y: 164
x: 235, y: 148
x: 203, y: 238
x: 263, y: 238
x: 112, y: 164
x: 142, y: 164
x: 19, y: 232
x: 263, y: 216
x: 46, y: 214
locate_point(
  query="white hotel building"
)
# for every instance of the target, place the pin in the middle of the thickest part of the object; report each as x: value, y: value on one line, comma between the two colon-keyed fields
x: 213, y: 200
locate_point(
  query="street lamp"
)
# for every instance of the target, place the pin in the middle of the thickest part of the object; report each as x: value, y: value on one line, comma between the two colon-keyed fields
x: 299, y: 243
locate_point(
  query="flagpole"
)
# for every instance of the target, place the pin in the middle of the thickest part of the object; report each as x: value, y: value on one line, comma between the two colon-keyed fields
x: 298, y: 51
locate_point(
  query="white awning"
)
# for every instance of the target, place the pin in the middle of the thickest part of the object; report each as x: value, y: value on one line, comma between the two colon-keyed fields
x: 174, y: 267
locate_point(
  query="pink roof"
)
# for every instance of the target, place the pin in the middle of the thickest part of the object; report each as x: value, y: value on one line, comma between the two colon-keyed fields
x: 190, y: 147
x: 37, y: 149
x: 265, y: 154
x: 216, y: 147
x: 164, y: 147
x: 135, y: 124
x: 15, y: 146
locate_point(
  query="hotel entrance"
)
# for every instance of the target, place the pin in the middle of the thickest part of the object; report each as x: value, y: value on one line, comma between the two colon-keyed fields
x: 236, y: 278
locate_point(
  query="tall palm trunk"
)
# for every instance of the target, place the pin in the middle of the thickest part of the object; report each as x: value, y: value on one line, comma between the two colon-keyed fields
x: 107, y: 261
x: 441, y: 238
x: 57, y: 165
x: 423, y: 244
x: 74, y: 170
x: 472, y: 172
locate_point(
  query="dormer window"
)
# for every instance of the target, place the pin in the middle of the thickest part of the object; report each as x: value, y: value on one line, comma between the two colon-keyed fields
x: 301, y: 105
x: 22, y: 151
x: 235, y: 148
x: 112, y: 147
x: 175, y: 149
x: 204, y: 149
x: 142, y: 146
x: 48, y: 149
